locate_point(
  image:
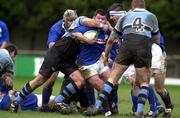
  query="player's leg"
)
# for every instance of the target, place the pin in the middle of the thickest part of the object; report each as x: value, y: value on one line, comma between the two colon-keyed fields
x: 71, y: 88
x: 160, y: 89
x: 117, y: 71
x: 142, y: 76
x: 159, y: 76
x: 47, y: 91
x: 27, y: 89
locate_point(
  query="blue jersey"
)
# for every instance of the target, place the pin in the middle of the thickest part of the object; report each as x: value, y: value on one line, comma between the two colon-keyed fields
x: 29, y: 103
x: 4, y: 33
x: 90, y: 53
x: 139, y: 22
x: 162, y: 43
x: 56, y: 31
x: 5, y: 102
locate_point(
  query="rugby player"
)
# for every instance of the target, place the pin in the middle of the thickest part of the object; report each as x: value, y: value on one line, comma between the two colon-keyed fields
x: 138, y: 34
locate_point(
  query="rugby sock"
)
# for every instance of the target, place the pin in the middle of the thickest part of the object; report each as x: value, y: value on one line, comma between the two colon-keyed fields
x: 46, y: 93
x: 105, y: 92
x: 67, y: 92
x: 142, y: 97
x: 24, y: 92
x: 91, y: 95
x: 113, y: 97
x: 152, y: 99
x: 167, y: 100
x: 134, y: 101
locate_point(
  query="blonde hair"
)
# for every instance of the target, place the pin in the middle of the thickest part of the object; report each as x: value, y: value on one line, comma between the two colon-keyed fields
x: 69, y: 13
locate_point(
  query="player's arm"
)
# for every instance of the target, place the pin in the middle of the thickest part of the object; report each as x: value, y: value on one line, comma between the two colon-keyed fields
x: 92, y: 23
x: 155, y: 32
x: 4, y: 45
x: 81, y: 37
x: 109, y: 44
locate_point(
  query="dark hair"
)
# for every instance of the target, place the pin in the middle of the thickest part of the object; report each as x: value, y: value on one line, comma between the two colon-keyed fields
x: 116, y: 7
x: 100, y: 11
x: 11, y: 48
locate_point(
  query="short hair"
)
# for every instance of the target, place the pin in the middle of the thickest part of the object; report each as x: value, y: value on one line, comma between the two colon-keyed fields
x: 101, y: 12
x: 70, y: 13
x: 11, y: 48
x: 116, y: 7
x: 138, y: 3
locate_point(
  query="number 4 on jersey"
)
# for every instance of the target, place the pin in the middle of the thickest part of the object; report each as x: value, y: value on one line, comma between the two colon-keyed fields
x: 138, y: 24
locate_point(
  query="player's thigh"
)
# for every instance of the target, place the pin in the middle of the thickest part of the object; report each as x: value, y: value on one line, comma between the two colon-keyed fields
x: 117, y: 72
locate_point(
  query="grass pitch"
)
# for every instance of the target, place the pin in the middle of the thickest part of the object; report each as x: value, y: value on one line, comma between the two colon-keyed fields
x: 124, y: 103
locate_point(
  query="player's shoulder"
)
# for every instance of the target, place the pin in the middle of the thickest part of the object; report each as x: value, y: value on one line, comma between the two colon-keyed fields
x: 58, y: 23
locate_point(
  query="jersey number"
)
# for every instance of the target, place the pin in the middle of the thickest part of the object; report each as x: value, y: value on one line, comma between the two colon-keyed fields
x: 138, y: 25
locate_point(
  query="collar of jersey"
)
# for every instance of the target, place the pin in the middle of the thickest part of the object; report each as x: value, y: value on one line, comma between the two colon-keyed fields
x: 139, y: 9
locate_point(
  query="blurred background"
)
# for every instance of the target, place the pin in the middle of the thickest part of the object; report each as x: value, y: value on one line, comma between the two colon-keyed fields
x: 30, y: 20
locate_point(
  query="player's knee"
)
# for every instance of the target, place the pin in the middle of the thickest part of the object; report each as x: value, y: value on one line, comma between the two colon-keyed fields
x: 80, y: 83
x: 159, y: 91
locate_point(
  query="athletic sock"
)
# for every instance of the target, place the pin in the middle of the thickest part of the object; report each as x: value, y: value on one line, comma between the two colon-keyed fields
x: 67, y: 92
x: 24, y: 92
x: 167, y: 100
x: 46, y: 93
x: 142, y: 97
x: 113, y: 97
x: 134, y: 101
x: 105, y: 92
x: 152, y: 99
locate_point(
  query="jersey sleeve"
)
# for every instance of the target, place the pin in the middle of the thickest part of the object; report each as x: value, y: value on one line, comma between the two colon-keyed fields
x: 5, y: 32
x: 52, y: 36
x: 155, y: 29
x: 78, y: 22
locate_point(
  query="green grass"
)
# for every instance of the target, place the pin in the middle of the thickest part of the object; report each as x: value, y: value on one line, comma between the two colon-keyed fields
x: 124, y: 103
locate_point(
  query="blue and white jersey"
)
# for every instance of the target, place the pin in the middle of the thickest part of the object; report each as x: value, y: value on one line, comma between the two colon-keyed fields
x: 56, y: 32
x: 138, y: 21
x: 6, y: 67
x: 76, y: 23
x: 4, y: 33
x: 29, y: 103
x: 162, y: 43
x: 90, y: 53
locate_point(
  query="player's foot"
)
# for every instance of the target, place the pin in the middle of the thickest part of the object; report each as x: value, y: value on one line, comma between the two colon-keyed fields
x: 152, y: 114
x: 160, y: 109
x: 14, y: 106
x: 114, y: 109
x: 91, y: 111
x: 108, y: 113
x: 168, y: 112
x: 138, y: 115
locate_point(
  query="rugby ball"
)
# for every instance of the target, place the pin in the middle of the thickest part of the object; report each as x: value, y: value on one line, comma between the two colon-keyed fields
x: 91, y: 34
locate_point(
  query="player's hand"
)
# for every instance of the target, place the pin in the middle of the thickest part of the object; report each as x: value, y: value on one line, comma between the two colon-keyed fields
x: 104, y: 27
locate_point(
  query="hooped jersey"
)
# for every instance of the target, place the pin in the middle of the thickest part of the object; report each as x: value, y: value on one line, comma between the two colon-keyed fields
x: 138, y: 21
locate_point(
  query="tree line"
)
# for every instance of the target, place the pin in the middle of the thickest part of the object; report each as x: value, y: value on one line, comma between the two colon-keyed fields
x: 30, y: 20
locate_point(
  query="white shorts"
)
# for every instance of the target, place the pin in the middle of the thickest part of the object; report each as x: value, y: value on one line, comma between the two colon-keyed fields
x: 158, y: 59
x: 93, y: 69
x: 130, y: 71
x: 39, y: 97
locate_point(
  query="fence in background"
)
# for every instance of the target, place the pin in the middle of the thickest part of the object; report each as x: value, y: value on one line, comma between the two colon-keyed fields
x: 28, y: 66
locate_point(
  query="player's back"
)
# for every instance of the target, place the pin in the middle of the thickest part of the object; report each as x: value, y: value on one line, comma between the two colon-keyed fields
x: 140, y: 22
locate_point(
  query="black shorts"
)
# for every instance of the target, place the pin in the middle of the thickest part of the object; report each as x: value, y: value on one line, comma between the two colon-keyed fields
x: 135, y: 49
x: 61, y: 57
